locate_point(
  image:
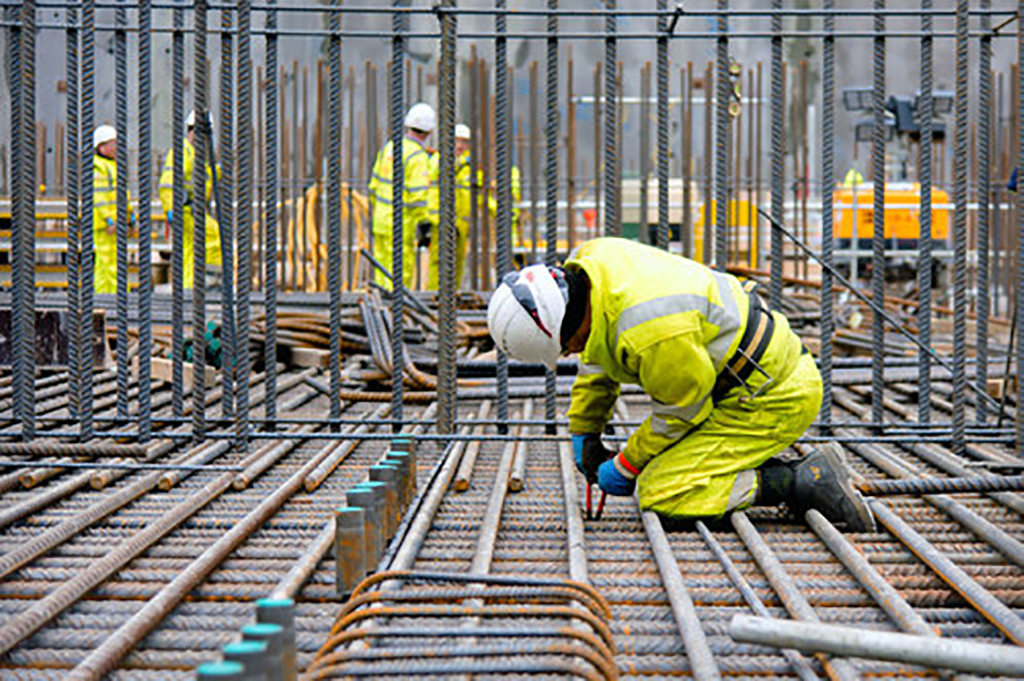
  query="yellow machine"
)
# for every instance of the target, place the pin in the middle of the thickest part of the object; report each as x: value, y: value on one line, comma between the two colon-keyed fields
x: 902, y: 214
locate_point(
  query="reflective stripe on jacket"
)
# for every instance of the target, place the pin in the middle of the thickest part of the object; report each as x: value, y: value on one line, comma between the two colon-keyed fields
x: 658, y: 320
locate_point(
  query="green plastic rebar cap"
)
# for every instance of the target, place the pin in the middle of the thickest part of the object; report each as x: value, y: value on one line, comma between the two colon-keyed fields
x: 220, y: 670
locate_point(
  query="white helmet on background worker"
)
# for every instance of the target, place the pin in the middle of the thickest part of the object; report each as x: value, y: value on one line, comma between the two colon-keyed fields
x: 462, y: 132
x: 421, y: 117
x: 525, y: 314
x: 190, y: 122
x: 103, y: 134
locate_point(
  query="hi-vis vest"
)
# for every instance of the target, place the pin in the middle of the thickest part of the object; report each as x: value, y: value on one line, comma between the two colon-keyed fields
x: 660, y: 321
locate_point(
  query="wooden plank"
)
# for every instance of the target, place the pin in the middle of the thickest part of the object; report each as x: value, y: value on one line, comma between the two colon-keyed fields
x: 163, y: 370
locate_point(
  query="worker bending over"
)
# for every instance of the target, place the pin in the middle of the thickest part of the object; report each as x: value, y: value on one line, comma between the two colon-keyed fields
x: 730, y: 384
x: 419, y: 123
x: 104, y: 208
x: 213, y: 254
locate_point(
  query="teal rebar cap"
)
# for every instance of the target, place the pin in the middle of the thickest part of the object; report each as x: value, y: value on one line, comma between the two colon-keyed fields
x: 249, y: 647
x: 275, y: 603
x: 261, y: 630
x: 220, y: 670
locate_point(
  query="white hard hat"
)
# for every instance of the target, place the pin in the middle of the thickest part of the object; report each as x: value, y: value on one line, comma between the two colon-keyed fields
x: 103, y: 134
x: 462, y: 132
x: 421, y: 117
x: 190, y: 122
x: 525, y: 314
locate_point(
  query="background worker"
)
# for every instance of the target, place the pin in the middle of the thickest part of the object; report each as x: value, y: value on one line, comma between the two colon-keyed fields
x: 104, y: 208
x: 419, y: 123
x: 730, y: 384
x: 463, y: 204
x: 213, y: 253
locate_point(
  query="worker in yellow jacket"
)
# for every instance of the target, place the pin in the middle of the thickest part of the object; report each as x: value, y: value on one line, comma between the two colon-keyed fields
x: 213, y: 253
x: 104, y: 208
x: 730, y: 384
x: 419, y: 123
x: 463, y: 205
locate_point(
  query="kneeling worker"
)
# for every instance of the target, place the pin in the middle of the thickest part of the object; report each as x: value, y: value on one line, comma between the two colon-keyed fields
x: 730, y: 383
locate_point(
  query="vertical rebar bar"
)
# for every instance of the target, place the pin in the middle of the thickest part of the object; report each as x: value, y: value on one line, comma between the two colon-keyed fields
x: 145, y: 290
x: 121, y: 228
x: 597, y: 146
x: 686, y: 227
x: 203, y: 136
x: 244, y: 219
x: 960, y: 161
x: 399, y: 23
x: 1020, y: 232
x: 23, y: 227
x: 73, y: 149
x: 534, y: 162
x: 925, y: 109
x: 350, y: 175
x: 334, y: 217
x: 709, y: 143
x: 551, y: 183
x: 612, y: 162
x: 178, y: 223
x: 447, y: 231
x: 475, y: 256
x: 664, y: 155
x: 270, y: 144
x: 828, y: 181
x: 643, y: 231
x: 226, y: 207
x: 85, y: 281
x: 984, y: 304
x: 778, y: 157
x: 878, y: 211
x: 570, y: 158
x: 722, y: 138
x: 503, y: 260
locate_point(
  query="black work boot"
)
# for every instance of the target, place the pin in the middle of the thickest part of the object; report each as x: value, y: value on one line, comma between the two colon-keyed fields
x: 821, y: 481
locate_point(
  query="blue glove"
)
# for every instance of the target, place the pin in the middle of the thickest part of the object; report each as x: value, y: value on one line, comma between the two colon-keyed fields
x: 170, y: 217
x: 613, y: 481
x: 578, y: 441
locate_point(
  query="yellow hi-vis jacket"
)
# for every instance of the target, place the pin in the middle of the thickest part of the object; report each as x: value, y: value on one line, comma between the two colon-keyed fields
x: 463, y: 206
x: 517, y: 196
x: 658, y: 320
x: 104, y: 220
x: 416, y: 163
x: 213, y: 253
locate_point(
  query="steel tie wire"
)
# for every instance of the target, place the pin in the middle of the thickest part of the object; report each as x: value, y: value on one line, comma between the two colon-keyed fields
x: 203, y: 137
x: 270, y: 219
x: 145, y: 291
x: 121, y: 229
x: 960, y: 161
x: 244, y: 218
x: 828, y: 94
x: 924, y: 266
